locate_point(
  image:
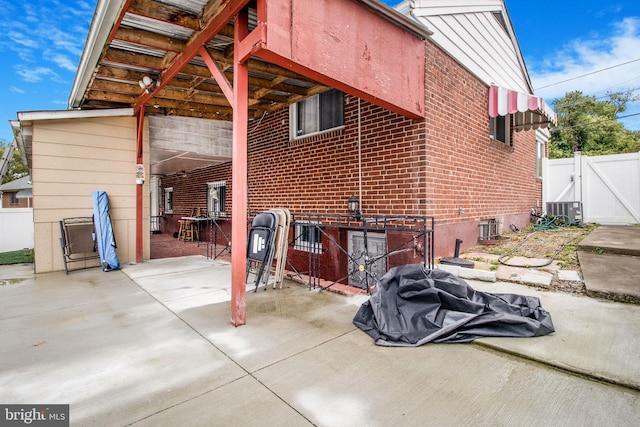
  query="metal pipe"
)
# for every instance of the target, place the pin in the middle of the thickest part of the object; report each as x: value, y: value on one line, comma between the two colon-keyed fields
x: 360, y: 158
x: 457, y: 250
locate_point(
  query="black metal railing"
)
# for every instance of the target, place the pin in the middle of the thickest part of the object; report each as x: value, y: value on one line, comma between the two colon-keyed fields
x: 330, y: 247
x: 219, y: 240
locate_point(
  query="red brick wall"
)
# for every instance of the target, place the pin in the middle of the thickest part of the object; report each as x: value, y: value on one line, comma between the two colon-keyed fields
x: 190, y: 191
x: 434, y: 166
x: 465, y: 167
x: 22, y: 203
x: 319, y: 175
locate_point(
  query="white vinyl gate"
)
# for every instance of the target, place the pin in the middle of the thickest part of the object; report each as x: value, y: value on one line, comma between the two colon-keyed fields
x: 607, y: 186
x: 16, y: 229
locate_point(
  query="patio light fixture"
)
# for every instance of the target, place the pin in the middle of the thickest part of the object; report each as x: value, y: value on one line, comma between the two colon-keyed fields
x: 354, y: 207
x: 148, y: 84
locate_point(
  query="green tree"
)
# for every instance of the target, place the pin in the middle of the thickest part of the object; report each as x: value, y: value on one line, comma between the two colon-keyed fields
x: 589, y: 125
x: 17, y: 169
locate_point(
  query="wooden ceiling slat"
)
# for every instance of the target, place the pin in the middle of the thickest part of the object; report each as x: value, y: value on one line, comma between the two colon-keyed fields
x: 97, y: 95
x: 164, y: 12
x: 115, y: 81
x: 132, y: 59
x: 147, y: 38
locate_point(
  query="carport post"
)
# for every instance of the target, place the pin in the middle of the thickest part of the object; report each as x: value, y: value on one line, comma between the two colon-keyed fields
x: 239, y: 175
x: 139, y: 139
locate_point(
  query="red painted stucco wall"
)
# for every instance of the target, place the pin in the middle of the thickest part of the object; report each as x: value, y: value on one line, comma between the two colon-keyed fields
x: 343, y: 44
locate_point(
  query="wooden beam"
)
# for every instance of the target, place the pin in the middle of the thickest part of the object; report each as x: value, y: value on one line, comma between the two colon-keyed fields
x: 348, y: 46
x: 239, y: 177
x: 139, y: 187
x: 129, y: 88
x: 220, y: 16
x: 130, y: 58
x: 217, y: 74
x: 189, y: 105
x: 163, y: 12
x: 95, y: 95
x: 147, y: 38
x: 111, y: 72
x: 195, y: 114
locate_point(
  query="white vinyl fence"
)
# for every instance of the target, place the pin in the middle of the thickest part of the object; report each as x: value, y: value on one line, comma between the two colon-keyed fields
x: 16, y: 229
x: 607, y: 186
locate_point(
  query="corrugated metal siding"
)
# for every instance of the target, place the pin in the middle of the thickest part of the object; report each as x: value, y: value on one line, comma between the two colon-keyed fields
x: 193, y: 6
x: 157, y: 27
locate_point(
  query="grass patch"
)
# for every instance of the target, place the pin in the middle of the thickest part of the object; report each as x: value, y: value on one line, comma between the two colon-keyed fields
x: 16, y: 257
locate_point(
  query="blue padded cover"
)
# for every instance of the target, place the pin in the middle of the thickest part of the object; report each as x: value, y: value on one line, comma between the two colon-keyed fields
x: 104, y: 232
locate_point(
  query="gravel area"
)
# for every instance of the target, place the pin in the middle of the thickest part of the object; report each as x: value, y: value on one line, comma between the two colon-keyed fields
x: 558, y: 244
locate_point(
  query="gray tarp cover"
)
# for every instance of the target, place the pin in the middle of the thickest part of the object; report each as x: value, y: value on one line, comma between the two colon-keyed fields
x: 413, y: 305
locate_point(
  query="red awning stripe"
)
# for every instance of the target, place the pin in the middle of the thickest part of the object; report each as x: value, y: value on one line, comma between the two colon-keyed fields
x: 533, y: 112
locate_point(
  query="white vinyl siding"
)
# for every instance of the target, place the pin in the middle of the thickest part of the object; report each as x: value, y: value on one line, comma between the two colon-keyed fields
x: 72, y: 158
x: 476, y: 35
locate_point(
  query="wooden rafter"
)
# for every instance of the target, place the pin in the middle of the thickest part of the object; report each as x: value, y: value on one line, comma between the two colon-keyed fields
x: 187, y: 85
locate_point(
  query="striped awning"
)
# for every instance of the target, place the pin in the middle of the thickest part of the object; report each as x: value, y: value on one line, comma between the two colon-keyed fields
x: 530, y: 112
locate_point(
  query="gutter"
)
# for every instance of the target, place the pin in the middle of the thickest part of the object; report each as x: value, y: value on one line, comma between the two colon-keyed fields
x: 397, y: 18
x: 107, y: 11
x: 31, y: 116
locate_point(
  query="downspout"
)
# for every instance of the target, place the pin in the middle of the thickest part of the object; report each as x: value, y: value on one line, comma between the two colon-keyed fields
x: 360, y: 157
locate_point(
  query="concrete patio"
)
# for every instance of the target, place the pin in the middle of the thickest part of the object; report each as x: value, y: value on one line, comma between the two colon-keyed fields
x: 152, y: 345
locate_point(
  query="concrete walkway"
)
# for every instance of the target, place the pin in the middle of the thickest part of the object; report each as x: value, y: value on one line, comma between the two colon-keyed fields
x: 610, y: 261
x: 609, y: 266
x: 152, y: 345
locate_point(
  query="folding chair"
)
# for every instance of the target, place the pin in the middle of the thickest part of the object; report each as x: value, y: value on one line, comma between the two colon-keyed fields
x: 280, y: 244
x: 260, y: 247
x: 78, y: 241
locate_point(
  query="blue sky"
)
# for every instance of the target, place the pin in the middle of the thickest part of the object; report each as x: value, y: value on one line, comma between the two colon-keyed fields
x: 41, y: 42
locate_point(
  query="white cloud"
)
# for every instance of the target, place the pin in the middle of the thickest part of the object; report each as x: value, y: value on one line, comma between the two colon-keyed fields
x: 579, y: 64
x: 63, y: 61
x: 16, y: 89
x: 594, y: 65
x: 33, y: 75
x: 45, y: 40
x: 62, y: 40
x: 22, y: 39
